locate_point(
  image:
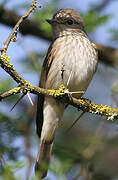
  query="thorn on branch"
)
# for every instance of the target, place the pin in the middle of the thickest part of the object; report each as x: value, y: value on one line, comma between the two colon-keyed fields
x: 112, y: 117
x: 17, y: 102
x: 30, y: 99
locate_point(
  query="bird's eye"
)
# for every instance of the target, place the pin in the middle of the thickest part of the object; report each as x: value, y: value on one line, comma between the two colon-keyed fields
x: 70, y: 21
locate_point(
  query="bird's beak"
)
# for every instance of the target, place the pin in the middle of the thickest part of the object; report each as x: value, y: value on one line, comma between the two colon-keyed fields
x: 51, y: 21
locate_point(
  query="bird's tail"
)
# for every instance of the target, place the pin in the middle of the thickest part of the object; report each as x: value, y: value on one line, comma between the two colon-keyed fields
x: 43, y: 159
x: 52, y: 113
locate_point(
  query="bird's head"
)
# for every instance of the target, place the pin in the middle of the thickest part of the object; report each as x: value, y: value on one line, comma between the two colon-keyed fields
x: 66, y: 21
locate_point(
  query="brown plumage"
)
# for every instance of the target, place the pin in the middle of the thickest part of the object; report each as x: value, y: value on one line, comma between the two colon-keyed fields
x: 71, y: 49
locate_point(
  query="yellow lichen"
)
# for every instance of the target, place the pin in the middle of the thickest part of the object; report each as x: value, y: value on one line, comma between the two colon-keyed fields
x: 14, y: 90
x: 28, y: 84
x: 57, y: 92
x: 93, y: 108
x: 6, y: 58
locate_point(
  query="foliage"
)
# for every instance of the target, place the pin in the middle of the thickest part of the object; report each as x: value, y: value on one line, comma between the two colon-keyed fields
x: 9, y: 131
x: 5, y: 85
x: 93, y: 20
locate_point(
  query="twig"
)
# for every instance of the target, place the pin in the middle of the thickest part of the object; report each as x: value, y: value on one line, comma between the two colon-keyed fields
x: 72, y: 125
x: 91, y: 107
x: 15, y: 29
x: 11, y: 92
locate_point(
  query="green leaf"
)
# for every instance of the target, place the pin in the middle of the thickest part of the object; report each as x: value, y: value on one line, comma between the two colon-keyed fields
x: 5, y: 85
x: 92, y: 20
x: 7, y: 172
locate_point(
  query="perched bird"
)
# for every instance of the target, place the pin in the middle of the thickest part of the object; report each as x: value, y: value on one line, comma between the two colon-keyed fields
x: 71, y: 60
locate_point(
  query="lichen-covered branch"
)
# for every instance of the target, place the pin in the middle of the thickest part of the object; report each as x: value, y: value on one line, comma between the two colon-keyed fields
x: 10, y: 93
x: 8, y: 67
x: 91, y: 107
x: 61, y: 94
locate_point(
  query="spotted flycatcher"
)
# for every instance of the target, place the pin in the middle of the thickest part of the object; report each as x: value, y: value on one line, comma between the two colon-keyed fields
x: 71, y: 60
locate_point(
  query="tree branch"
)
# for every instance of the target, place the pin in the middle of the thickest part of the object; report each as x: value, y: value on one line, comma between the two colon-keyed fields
x: 107, y: 55
x: 32, y: 27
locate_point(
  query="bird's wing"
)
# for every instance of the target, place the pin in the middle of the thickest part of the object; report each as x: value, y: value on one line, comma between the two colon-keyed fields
x: 40, y: 101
